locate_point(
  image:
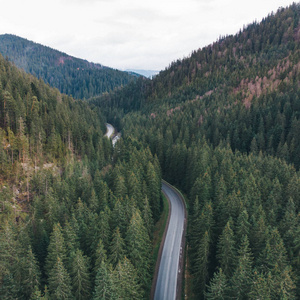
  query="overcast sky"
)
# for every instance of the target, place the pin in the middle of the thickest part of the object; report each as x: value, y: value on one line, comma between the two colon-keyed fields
x: 140, y: 34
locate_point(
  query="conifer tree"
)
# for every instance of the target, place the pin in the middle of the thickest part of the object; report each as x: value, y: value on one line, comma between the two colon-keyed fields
x: 126, y: 281
x: 31, y: 274
x: 201, y: 264
x: 243, y: 225
x: 104, y: 284
x: 217, y: 288
x: 118, y: 218
x: 226, y: 253
x: 154, y: 185
x: 260, y: 287
x: 80, y: 276
x: 147, y: 217
x: 59, y: 282
x: 56, y: 249
x: 104, y: 228
x: 100, y: 255
x: 139, y: 247
x: 117, y: 247
x: 71, y: 240
x: 242, y: 277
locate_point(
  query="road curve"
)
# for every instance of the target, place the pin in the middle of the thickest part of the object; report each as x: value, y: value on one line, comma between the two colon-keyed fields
x: 110, y: 130
x: 168, y: 284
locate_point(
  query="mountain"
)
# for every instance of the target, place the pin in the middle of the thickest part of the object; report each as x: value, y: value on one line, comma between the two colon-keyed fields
x: 72, y: 76
x: 72, y: 211
x: 146, y: 73
x: 239, y: 79
x: 225, y: 126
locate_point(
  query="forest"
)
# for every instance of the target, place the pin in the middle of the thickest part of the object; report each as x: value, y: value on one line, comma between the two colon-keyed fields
x: 77, y: 216
x: 72, y: 76
x: 224, y: 124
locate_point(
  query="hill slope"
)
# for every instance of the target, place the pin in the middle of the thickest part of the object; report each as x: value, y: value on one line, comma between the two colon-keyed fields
x: 225, y: 125
x: 71, y: 210
x: 238, y: 88
x: 70, y: 75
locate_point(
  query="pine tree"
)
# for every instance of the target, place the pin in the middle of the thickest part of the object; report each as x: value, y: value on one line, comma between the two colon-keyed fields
x: 100, y: 256
x: 31, y: 274
x: 71, y: 240
x: 202, y: 224
x: 117, y: 248
x: 9, y: 253
x: 201, y: 264
x: 80, y: 276
x: 126, y: 281
x: 104, y: 284
x: 217, y: 288
x: 242, y: 277
x: 9, y: 288
x: 59, y: 282
x: 284, y: 285
x: 154, y: 186
x: 260, y: 288
x: 103, y: 225
x: 147, y: 217
x: 243, y: 225
x: 274, y: 254
x: 118, y: 218
x: 226, y: 253
x: 56, y: 249
x: 139, y: 248
x: 37, y: 295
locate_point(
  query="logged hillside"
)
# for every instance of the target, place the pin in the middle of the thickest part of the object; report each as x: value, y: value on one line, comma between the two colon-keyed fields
x: 76, y: 218
x: 70, y: 75
x: 224, y: 124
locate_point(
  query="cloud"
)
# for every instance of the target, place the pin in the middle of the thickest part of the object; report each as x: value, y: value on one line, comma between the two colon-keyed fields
x: 130, y: 33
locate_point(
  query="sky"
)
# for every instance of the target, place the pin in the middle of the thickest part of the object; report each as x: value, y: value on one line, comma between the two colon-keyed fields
x: 130, y: 34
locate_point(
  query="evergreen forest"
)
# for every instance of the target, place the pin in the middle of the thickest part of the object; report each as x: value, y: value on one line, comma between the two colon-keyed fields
x: 224, y: 124
x: 77, y: 215
x: 72, y: 76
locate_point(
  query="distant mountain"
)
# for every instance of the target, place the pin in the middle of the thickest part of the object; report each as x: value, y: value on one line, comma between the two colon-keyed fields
x: 72, y: 76
x: 239, y: 79
x: 146, y: 73
x: 225, y: 126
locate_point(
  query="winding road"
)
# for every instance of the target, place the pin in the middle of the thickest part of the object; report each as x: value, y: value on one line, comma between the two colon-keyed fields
x: 168, y: 284
x: 110, y: 130
x: 169, y: 278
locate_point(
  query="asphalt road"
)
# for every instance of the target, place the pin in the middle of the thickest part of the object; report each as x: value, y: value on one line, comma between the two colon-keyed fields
x: 168, y: 273
x: 110, y: 130
x: 166, y: 285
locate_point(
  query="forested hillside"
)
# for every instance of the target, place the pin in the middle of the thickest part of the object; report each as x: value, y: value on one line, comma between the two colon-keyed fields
x: 70, y: 75
x: 76, y: 217
x: 224, y: 124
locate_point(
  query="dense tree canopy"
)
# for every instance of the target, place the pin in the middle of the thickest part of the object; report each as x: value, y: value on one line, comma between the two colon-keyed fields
x: 222, y: 125
x: 72, y: 76
x: 75, y: 216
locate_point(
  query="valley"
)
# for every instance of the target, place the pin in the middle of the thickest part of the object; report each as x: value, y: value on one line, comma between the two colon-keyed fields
x: 79, y: 206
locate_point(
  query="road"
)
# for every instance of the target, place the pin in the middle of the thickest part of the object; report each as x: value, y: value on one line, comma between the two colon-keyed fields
x: 168, y: 282
x: 169, y: 270
x: 109, y: 133
x: 110, y: 130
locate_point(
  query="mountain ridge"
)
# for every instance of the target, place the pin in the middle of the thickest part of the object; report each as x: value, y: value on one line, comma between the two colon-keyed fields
x: 225, y: 126
x: 73, y: 76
